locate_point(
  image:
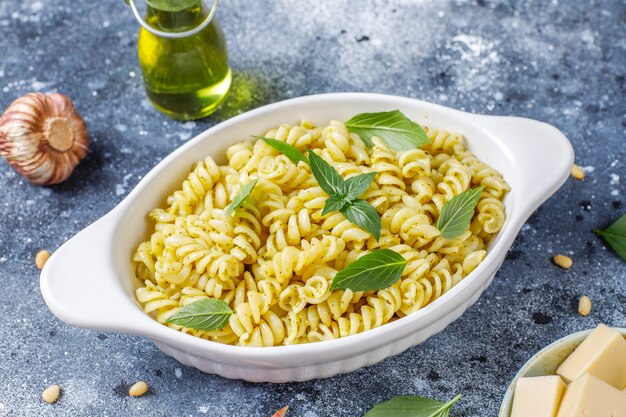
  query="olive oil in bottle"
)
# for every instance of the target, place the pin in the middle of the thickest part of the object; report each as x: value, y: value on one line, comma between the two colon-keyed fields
x: 185, y: 77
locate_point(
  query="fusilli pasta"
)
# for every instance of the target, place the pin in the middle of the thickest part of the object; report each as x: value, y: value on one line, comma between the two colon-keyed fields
x: 273, y: 260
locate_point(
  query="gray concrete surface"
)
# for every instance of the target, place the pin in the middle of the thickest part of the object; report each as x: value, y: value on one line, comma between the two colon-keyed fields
x: 560, y: 61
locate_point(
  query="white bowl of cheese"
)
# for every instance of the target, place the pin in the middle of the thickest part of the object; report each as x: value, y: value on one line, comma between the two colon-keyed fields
x: 548, y: 361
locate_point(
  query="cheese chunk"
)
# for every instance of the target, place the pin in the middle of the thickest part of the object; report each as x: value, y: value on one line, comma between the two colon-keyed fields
x: 602, y: 354
x: 589, y: 396
x: 538, y: 396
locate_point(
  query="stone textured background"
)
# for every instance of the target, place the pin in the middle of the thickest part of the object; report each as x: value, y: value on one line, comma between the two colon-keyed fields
x: 560, y: 61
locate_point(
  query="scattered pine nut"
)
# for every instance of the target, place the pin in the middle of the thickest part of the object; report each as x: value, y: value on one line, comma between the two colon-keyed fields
x: 41, y: 258
x: 281, y: 412
x: 577, y: 172
x: 138, y: 389
x: 51, y: 394
x: 584, y: 306
x: 563, y: 261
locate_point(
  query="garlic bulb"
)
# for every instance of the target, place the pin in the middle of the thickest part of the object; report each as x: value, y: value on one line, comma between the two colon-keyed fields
x: 43, y: 137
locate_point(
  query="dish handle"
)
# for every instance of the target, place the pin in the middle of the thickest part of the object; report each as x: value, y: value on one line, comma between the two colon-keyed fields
x: 541, y: 153
x: 78, y: 283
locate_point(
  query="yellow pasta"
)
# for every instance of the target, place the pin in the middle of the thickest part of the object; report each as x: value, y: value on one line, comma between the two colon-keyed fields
x: 273, y: 260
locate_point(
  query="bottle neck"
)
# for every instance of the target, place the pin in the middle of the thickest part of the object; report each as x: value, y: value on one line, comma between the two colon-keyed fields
x: 189, y: 16
x: 175, y: 19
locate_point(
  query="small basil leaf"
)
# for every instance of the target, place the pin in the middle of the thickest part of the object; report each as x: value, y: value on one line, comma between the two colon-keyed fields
x: 241, y: 196
x: 204, y: 314
x: 286, y: 149
x: 364, y: 215
x: 355, y: 186
x: 333, y: 203
x: 393, y: 127
x: 615, y: 236
x: 327, y: 177
x: 457, y: 213
x: 377, y: 270
x: 412, y: 407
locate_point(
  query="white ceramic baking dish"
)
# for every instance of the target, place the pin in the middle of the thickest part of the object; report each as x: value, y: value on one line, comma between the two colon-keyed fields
x: 89, y: 281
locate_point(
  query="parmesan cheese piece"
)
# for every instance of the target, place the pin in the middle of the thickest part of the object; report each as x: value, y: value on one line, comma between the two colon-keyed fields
x: 538, y: 396
x: 602, y: 354
x: 589, y: 396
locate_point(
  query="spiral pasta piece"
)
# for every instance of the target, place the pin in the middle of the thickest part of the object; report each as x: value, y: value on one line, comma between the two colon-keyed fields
x: 490, y: 213
x: 195, y: 187
x: 385, y: 163
x: 442, y: 141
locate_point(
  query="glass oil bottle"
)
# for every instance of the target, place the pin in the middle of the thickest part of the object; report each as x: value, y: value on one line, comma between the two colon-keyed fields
x: 183, y: 57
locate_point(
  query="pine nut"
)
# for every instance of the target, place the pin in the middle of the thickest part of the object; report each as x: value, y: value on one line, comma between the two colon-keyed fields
x: 577, y: 172
x: 563, y: 261
x: 41, y: 258
x: 51, y: 394
x: 584, y: 306
x: 138, y: 389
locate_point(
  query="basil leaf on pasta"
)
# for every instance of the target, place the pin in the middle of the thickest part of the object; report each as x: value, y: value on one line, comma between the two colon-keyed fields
x: 364, y: 215
x: 327, y: 177
x: 412, y: 406
x: 615, y: 236
x: 393, y: 127
x: 286, y: 149
x: 357, y: 185
x: 241, y: 196
x: 457, y: 213
x: 334, y: 203
x: 377, y: 270
x: 205, y: 314
x: 342, y: 195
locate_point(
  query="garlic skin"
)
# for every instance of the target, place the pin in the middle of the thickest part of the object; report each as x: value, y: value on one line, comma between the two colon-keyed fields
x: 43, y: 137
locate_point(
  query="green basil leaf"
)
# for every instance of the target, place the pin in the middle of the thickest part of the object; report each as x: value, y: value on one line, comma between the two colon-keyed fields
x: 412, y: 407
x: 457, y: 213
x: 377, y: 270
x: 241, y: 196
x: 204, y: 314
x: 357, y: 185
x: 334, y: 203
x: 286, y: 149
x: 327, y: 177
x: 357, y: 211
x: 364, y: 215
x: 393, y: 127
x: 615, y: 236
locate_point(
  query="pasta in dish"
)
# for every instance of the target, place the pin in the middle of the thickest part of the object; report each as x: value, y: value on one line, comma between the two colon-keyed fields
x: 272, y: 261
